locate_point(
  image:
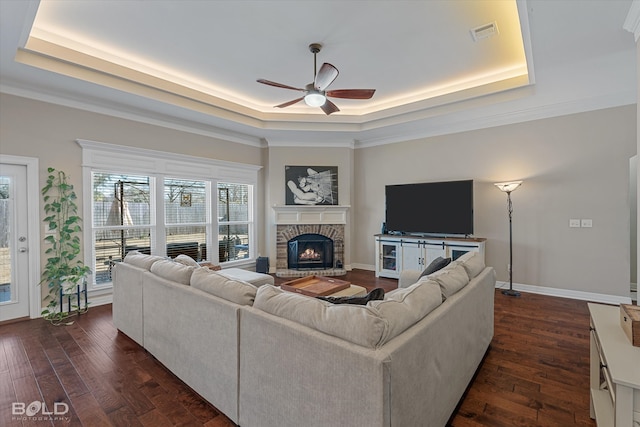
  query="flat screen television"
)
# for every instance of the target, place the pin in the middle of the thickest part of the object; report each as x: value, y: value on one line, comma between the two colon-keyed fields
x: 430, y: 208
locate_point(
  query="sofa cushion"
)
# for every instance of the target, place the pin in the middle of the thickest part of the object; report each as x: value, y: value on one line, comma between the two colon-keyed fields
x: 358, y: 324
x: 186, y: 260
x: 370, y: 325
x: 141, y: 260
x: 173, y: 271
x: 450, y: 279
x: 214, y: 283
x: 435, y: 265
x: 406, y: 306
x: 473, y: 263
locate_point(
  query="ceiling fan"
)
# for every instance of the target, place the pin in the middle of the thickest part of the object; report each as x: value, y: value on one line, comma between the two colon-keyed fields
x: 316, y: 93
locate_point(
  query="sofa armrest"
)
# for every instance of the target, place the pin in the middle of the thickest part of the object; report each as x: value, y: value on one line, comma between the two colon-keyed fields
x: 408, y: 278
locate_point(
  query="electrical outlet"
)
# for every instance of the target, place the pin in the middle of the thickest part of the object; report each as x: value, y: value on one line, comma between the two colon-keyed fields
x: 574, y: 223
x: 586, y: 223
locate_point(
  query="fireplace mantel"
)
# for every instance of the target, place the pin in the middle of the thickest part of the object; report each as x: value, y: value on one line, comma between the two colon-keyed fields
x: 323, y: 214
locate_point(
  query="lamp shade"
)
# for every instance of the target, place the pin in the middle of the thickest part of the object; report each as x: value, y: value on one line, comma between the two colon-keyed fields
x: 314, y: 99
x: 508, y: 187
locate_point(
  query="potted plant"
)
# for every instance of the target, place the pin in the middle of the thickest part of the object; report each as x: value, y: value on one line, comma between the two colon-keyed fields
x: 64, y: 271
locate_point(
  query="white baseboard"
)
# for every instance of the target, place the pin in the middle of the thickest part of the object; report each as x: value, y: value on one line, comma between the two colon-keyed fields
x: 100, y: 300
x: 369, y: 267
x: 566, y: 293
x: 93, y: 302
x: 543, y: 290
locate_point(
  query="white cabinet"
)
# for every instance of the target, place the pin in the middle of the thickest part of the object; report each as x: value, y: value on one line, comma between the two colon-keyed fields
x: 418, y: 254
x: 397, y: 253
x: 388, y: 255
x: 615, y: 370
x: 413, y: 256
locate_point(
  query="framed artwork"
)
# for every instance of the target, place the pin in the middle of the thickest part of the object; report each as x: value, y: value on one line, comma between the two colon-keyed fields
x: 311, y: 185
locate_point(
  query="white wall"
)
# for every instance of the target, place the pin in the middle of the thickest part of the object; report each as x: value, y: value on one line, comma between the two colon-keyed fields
x: 48, y: 132
x: 279, y: 157
x: 574, y: 166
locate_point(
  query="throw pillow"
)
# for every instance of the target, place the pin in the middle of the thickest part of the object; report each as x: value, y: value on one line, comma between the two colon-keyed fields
x: 437, y: 264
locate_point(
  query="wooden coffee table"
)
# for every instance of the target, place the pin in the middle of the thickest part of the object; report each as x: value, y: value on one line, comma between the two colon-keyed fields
x: 315, y: 286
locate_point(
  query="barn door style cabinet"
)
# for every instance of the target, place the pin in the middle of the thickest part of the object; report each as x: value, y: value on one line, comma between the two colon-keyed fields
x: 397, y: 253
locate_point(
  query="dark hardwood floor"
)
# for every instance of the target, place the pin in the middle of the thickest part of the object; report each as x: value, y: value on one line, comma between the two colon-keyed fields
x: 535, y: 373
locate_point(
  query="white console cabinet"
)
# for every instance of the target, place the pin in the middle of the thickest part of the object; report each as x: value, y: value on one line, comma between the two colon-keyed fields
x: 397, y: 253
x: 615, y: 370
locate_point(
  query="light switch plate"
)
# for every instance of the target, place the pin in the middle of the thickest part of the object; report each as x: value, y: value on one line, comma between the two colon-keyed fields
x: 586, y: 223
x: 574, y: 223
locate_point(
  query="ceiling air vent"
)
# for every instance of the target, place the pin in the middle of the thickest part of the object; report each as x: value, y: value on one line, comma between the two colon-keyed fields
x: 484, y: 31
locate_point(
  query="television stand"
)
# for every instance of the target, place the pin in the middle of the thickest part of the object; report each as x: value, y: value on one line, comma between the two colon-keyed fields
x: 397, y: 253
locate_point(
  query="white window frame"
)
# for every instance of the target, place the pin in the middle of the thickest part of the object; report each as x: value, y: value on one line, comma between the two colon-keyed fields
x: 250, y: 222
x: 103, y: 157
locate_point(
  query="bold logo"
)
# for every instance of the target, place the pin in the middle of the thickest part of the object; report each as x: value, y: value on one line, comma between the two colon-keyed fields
x: 39, y: 410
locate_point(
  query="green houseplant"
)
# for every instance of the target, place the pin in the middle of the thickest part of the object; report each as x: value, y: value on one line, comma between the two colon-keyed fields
x: 64, y: 270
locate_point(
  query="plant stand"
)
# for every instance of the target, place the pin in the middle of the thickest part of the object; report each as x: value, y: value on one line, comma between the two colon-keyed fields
x: 79, y: 294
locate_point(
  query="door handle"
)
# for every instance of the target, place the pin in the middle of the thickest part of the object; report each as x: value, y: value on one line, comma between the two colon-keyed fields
x: 22, y: 250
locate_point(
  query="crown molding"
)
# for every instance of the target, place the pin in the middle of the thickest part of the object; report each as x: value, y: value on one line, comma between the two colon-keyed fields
x: 471, y: 120
x: 632, y: 23
x: 119, y: 111
x: 300, y: 142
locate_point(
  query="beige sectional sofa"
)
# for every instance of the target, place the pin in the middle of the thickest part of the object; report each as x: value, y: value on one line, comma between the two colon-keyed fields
x: 266, y: 357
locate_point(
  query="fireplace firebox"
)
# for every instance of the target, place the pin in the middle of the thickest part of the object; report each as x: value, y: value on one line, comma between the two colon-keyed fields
x: 310, y: 251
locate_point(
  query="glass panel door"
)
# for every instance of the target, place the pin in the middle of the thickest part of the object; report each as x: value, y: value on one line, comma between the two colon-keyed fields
x: 14, y: 261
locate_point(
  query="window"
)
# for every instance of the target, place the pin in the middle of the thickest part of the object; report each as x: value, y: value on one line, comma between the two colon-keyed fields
x: 164, y: 204
x: 121, y: 219
x: 234, y: 224
x: 186, y: 214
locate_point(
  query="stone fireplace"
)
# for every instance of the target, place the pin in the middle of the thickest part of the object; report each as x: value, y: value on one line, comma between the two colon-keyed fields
x: 310, y: 240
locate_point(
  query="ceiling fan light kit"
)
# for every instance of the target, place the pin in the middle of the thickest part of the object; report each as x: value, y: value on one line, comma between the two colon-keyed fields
x: 316, y: 93
x: 315, y: 99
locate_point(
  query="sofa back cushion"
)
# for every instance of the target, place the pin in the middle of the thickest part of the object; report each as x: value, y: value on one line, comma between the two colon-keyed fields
x: 407, y: 306
x: 451, y: 279
x: 186, y: 260
x: 473, y: 263
x: 355, y: 323
x: 141, y: 260
x: 173, y: 271
x: 371, y: 325
x: 214, y: 283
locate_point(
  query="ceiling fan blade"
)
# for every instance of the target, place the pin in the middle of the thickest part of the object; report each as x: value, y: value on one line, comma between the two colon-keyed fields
x: 329, y: 107
x: 270, y: 83
x: 325, y: 76
x: 351, y: 93
x: 286, y: 104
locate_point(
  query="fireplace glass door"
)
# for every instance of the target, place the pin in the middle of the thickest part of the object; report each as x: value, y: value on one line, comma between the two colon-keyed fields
x: 310, y: 251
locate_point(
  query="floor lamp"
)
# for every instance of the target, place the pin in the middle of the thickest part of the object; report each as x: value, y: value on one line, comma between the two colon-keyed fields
x: 508, y: 187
